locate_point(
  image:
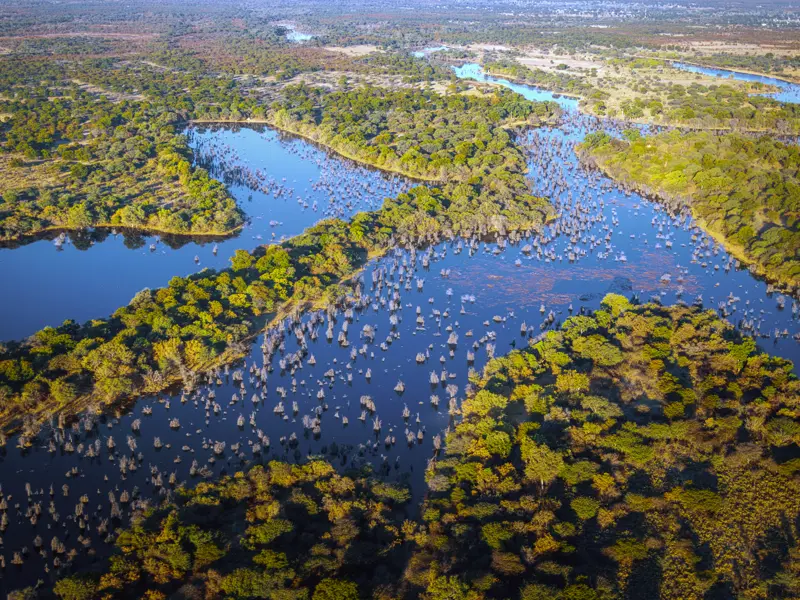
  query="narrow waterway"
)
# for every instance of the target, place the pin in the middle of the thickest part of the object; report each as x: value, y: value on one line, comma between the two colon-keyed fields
x: 789, y: 92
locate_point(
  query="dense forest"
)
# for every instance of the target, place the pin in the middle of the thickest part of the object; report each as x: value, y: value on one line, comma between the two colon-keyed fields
x: 88, y: 146
x: 280, y: 531
x: 641, y: 451
x: 455, y: 138
x: 744, y: 191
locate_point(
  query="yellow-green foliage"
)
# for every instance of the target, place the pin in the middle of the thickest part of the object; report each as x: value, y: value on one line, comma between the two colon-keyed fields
x: 744, y: 191
x: 621, y: 475
x: 281, y: 532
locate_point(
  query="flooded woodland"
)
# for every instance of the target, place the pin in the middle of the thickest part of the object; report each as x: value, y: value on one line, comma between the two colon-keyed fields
x: 375, y: 381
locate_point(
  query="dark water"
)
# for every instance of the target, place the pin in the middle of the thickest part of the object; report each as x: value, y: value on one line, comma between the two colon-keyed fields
x: 789, y: 92
x: 91, y: 275
x: 483, y: 292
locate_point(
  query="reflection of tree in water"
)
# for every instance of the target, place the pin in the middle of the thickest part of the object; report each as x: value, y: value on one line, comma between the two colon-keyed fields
x: 83, y: 239
x: 133, y: 240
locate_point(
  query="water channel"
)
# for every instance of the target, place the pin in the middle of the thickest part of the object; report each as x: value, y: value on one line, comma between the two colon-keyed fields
x: 92, y: 274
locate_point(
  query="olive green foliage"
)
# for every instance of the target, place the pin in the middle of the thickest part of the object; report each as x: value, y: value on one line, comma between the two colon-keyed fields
x: 459, y: 140
x: 104, y: 156
x: 280, y: 531
x: 645, y: 89
x: 657, y: 461
x: 421, y: 134
x: 744, y: 191
x: 717, y: 106
x: 410, y: 68
x: 668, y: 472
x: 167, y: 334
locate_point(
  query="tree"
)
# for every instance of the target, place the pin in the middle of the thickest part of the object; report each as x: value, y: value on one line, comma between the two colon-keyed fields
x: 335, y: 589
x: 76, y: 587
x: 541, y: 463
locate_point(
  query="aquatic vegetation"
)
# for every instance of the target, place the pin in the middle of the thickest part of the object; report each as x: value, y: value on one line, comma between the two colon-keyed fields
x: 744, y: 191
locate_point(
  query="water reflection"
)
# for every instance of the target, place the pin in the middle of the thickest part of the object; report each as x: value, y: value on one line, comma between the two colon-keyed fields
x: 475, y: 72
x: 84, y: 275
x: 327, y: 383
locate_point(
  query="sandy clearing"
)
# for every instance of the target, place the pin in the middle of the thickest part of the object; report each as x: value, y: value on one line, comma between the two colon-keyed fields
x: 549, y: 63
x: 356, y: 51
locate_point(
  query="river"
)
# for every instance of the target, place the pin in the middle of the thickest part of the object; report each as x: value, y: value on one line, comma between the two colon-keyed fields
x: 603, y: 240
x: 789, y: 92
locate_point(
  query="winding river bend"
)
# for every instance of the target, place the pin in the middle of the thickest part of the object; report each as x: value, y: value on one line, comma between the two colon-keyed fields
x: 424, y: 321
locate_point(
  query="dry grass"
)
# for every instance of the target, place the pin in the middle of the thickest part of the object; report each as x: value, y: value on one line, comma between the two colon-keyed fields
x: 32, y: 173
x: 354, y: 51
x: 534, y: 58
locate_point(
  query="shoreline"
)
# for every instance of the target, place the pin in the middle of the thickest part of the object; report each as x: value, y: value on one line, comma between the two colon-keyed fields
x: 731, y: 248
x: 729, y: 70
x: 518, y: 81
x: 38, y: 234
x: 309, y: 138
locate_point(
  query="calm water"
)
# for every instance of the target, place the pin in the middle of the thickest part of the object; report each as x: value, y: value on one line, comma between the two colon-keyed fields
x: 790, y: 92
x: 475, y: 72
x: 91, y: 275
x: 603, y: 240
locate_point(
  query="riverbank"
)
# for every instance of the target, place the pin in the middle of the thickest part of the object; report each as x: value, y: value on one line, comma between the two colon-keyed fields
x: 309, y: 136
x: 737, y: 251
x: 737, y: 70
